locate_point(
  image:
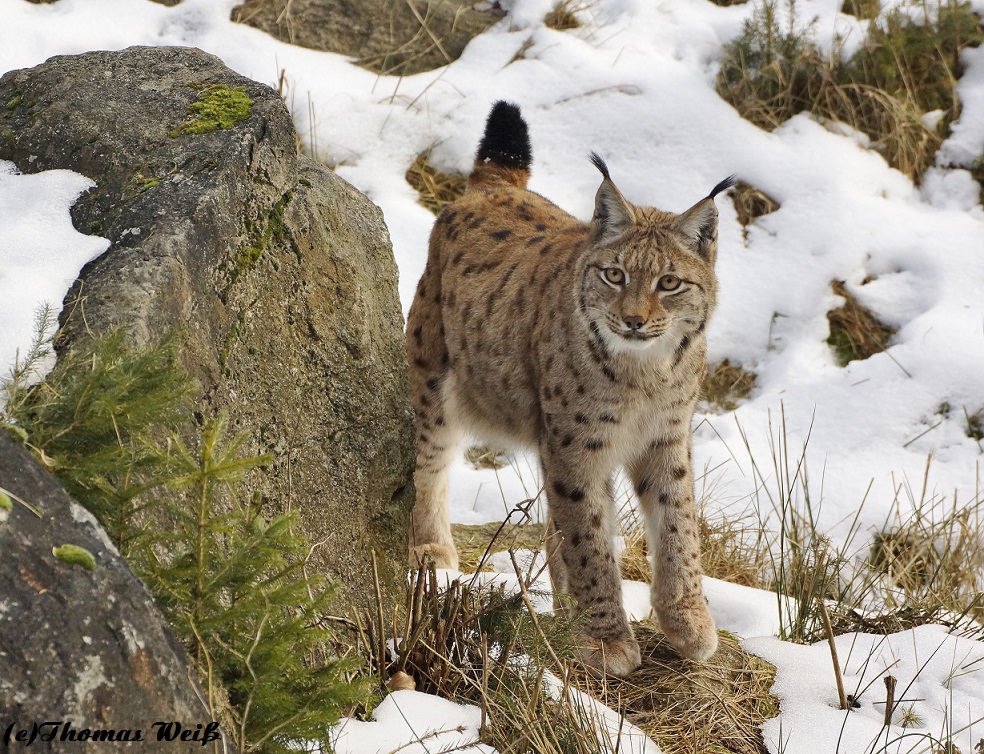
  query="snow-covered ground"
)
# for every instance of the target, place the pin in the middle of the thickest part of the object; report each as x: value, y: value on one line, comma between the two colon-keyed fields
x: 636, y: 83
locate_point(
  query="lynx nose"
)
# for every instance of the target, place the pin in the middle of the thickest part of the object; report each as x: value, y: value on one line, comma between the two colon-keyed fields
x: 633, y: 322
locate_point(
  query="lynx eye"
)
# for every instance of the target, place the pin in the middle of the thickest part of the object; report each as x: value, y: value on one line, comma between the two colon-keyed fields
x: 668, y: 283
x: 613, y: 276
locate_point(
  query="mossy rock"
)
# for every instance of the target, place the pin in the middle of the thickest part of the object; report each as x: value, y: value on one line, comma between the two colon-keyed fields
x: 278, y: 275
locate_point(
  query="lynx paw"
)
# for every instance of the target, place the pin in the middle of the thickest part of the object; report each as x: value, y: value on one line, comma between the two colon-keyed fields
x: 617, y: 658
x: 690, y: 630
x: 442, y: 556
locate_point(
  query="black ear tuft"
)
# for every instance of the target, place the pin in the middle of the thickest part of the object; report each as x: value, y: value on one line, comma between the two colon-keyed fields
x: 506, y: 141
x: 600, y: 164
x: 722, y: 186
x: 612, y: 214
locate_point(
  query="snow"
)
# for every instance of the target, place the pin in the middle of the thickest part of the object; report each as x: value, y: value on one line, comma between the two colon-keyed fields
x: 938, y: 676
x: 636, y: 83
x: 414, y: 723
x: 41, y: 253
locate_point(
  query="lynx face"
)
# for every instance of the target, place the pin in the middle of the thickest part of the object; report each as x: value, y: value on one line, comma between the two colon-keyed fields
x: 648, y: 290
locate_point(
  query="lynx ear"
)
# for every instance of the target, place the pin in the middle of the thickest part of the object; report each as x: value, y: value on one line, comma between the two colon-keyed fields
x: 612, y: 214
x: 699, y: 223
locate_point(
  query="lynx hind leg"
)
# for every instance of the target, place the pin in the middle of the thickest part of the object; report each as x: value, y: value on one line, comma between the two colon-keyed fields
x: 436, y: 434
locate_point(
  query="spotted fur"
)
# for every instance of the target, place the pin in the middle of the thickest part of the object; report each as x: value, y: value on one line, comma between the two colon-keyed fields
x: 585, y: 341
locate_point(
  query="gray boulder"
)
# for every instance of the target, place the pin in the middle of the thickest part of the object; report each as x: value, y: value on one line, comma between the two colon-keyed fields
x: 82, y: 646
x: 278, y: 274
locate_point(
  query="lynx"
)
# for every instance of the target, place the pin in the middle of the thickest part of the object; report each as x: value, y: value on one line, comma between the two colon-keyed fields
x: 585, y: 341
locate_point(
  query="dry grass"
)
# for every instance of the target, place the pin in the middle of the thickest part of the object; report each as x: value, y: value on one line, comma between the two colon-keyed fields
x: 932, y: 561
x: 634, y: 560
x: 855, y: 332
x: 904, y: 70
x: 712, y: 707
x: 975, y: 425
x: 475, y: 541
x: 733, y: 549
x: 725, y: 385
x: 486, y: 457
x: 563, y: 15
x: 400, y: 37
x: 751, y: 203
x: 462, y: 641
x: 437, y: 189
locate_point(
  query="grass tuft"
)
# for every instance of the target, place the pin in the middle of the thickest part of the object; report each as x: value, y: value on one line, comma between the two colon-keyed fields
x: 437, y: 189
x: 932, y: 563
x: 714, y: 707
x: 751, y: 203
x: 855, y: 332
x: 463, y: 641
x: 473, y: 541
x: 486, y: 457
x: 926, y: 565
x: 563, y: 15
x: 725, y: 385
x: 906, y: 69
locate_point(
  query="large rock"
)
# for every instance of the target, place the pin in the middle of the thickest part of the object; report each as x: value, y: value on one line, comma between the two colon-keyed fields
x: 279, y: 275
x: 80, y: 649
x: 398, y: 37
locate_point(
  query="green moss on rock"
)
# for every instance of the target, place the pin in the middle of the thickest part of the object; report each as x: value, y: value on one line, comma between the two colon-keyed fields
x: 217, y: 108
x: 75, y: 555
x: 257, y: 241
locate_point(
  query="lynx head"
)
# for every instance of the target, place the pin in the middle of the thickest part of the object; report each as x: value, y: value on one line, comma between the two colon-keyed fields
x: 648, y: 276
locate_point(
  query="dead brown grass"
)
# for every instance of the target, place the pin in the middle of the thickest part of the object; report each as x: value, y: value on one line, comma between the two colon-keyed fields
x: 725, y: 385
x: 436, y: 188
x: 732, y: 549
x: 932, y: 562
x: 865, y: 9
x: 905, y: 69
x: 474, y: 541
x: 751, y: 203
x: 486, y: 457
x: 562, y: 17
x: 712, y: 707
x: 855, y: 331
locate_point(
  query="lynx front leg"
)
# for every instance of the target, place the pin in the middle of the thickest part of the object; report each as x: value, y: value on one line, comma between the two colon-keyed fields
x: 582, y: 515
x: 663, y: 479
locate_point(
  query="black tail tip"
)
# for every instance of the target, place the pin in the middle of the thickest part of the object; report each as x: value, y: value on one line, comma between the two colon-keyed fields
x: 723, y: 186
x: 506, y: 141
